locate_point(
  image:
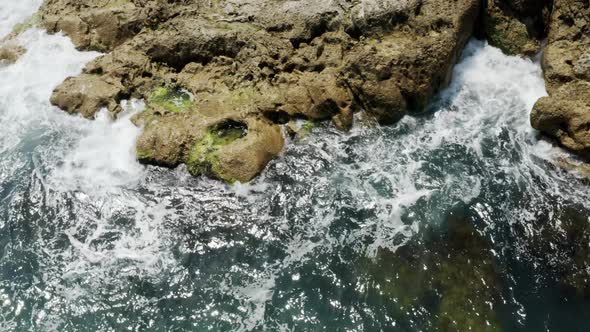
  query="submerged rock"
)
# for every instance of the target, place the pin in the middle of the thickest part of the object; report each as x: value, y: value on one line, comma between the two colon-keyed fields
x: 575, y: 274
x: 10, y: 53
x: 10, y: 49
x: 256, y: 62
x: 445, y: 278
x: 565, y: 113
x: 560, y: 251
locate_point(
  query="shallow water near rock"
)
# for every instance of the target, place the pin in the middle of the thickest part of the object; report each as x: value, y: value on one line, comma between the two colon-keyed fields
x: 456, y: 219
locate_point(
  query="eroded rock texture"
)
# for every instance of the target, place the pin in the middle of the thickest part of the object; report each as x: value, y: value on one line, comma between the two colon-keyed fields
x: 219, y: 77
x: 517, y: 26
x: 565, y: 113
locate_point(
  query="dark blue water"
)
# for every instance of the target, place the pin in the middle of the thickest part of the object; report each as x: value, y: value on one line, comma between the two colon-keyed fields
x: 459, y: 219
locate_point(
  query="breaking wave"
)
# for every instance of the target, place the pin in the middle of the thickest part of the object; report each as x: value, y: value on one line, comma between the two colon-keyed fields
x: 91, y: 240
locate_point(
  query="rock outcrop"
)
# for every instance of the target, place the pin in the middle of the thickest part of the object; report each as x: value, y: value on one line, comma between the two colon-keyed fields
x: 517, y: 26
x: 565, y: 113
x: 220, y: 77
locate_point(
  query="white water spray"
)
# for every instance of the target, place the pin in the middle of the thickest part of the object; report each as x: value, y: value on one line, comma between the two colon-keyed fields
x: 107, y: 244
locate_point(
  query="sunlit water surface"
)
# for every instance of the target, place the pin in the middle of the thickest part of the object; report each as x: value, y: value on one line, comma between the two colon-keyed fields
x: 451, y: 220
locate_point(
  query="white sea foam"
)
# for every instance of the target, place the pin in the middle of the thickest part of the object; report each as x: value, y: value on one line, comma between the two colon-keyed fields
x: 104, y: 157
x: 491, y: 95
x: 26, y: 85
x: 73, y: 162
x: 14, y: 12
x: 99, y: 219
x: 103, y: 154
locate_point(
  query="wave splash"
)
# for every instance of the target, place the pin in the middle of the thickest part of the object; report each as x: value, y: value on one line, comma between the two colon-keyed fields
x: 92, y: 240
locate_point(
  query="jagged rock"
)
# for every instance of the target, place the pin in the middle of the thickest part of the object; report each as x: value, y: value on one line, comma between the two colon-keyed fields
x: 86, y: 94
x: 99, y: 24
x: 273, y: 61
x: 565, y: 114
x: 535, y: 14
x: 557, y: 61
x: 568, y: 42
x: 517, y: 27
x: 505, y: 31
x: 10, y: 50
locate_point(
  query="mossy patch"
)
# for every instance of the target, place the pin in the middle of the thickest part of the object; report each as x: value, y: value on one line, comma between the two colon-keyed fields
x: 203, y: 158
x: 143, y: 155
x: 174, y: 100
x: 300, y: 129
x: 27, y: 24
x: 308, y: 127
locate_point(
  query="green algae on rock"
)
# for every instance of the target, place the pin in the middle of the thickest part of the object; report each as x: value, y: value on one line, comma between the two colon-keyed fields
x: 29, y: 23
x: 10, y: 50
x: 170, y: 99
x: 203, y: 158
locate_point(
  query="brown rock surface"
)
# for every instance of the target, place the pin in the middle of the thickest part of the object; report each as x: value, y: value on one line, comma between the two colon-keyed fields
x: 86, y: 94
x: 259, y: 63
x: 565, y: 113
x: 505, y: 31
x: 517, y: 26
x: 10, y: 53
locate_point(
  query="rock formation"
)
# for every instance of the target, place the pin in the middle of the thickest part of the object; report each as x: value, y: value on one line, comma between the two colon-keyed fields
x: 565, y: 113
x: 517, y: 26
x: 220, y: 77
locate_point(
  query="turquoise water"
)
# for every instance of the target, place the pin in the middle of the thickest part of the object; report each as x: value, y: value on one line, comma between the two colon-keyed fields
x: 458, y: 219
